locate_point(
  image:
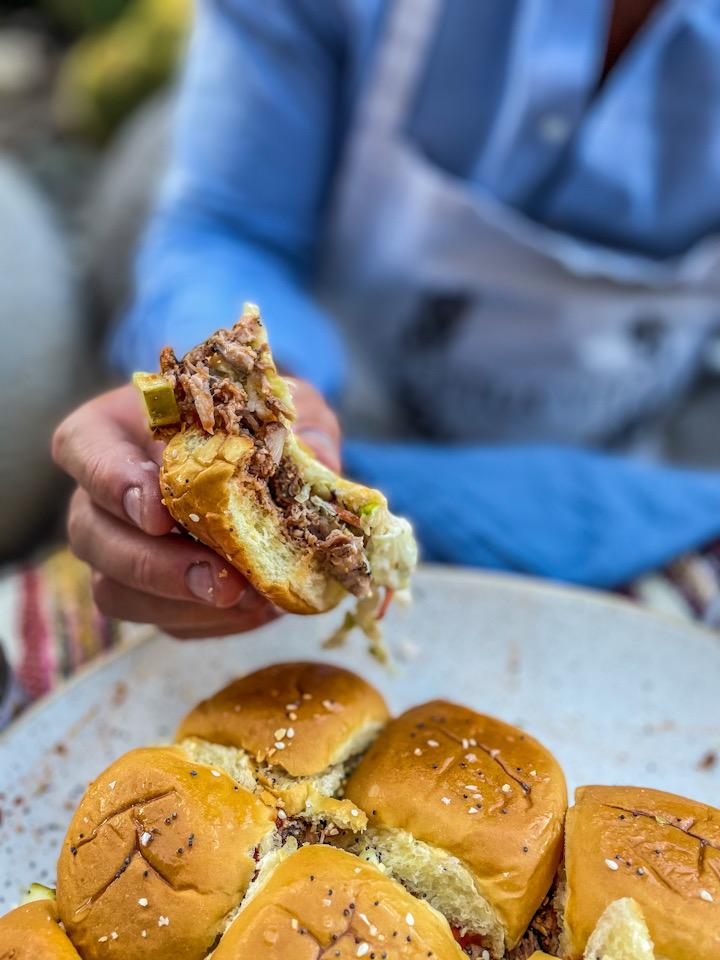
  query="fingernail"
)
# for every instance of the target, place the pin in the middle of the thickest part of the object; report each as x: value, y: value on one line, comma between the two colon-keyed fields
x: 132, y: 504
x: 200, y: 583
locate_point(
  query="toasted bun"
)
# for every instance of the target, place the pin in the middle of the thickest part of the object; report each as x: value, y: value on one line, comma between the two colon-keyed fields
x: 32, y: 933
x: 660, y: 850
x: 330, y: 713
x: 621, y: 934
x: 207, y: 488
x: 324, y: 902
x: 469, y: 811
x: 157, y: 845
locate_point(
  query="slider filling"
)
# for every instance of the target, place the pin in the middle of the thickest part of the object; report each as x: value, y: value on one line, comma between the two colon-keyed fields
x: 229, y: 384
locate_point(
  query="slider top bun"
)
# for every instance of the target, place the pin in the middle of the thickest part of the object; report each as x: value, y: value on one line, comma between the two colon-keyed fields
x: 319, y: 713
x: 324, y: 902
x: 157, y: 855
x: 477, y: 788
x: 32, y: 933
x: 237, y: 478
x: 661, y: 850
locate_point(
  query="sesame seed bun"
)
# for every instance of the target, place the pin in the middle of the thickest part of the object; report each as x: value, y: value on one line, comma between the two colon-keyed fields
x: 467, y: 811
x: 331, y: 713
x: 660, y: 850
x: 32, y: 932
x: 324, y: 902
x: 162, y: 846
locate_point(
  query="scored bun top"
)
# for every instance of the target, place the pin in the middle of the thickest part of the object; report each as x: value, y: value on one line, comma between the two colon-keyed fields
x: 478, y: 788
x: 32, y: 933
x: 659, y: 849
x: 321, y: 714
x: 322, y: 901
x: 158, y: 853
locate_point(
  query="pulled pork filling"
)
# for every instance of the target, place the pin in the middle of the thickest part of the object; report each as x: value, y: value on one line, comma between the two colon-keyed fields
x: 305, y: 831
x: 543, y: 934
x: 223, y: 385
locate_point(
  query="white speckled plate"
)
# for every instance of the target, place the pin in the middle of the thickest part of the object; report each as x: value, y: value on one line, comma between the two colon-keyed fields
x: 620, y: 695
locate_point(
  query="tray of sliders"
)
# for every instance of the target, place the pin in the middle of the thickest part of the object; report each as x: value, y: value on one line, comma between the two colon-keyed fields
x: 476, y: 799
x: 508, y: 776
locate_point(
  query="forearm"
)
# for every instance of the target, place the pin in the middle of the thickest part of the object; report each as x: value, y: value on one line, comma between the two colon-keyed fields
x: 240, y: 214
x: 566, y: 514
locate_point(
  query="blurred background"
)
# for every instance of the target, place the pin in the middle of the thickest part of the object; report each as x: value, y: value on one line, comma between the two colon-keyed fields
x: 84, y: 99
x: 86, y: 104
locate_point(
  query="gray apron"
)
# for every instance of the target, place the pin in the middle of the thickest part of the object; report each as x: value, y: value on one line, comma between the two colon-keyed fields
x: 467, y: 321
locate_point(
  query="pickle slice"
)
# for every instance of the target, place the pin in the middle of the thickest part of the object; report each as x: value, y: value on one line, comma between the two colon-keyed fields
x: 37, y: 891
x: 158, y: 398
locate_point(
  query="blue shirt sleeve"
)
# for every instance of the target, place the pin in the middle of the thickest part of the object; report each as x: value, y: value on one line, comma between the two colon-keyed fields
x: 571, y: 515
x: 238, y: 217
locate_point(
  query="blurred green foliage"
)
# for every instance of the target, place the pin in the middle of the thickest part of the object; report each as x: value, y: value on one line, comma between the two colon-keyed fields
x: 81, y: 15
x: 108, y: 72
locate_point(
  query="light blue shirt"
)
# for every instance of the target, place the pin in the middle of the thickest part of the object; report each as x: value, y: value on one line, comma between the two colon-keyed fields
x: 510, y: 101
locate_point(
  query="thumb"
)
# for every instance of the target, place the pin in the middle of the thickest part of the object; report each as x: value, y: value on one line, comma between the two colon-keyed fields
x: 324, y: 446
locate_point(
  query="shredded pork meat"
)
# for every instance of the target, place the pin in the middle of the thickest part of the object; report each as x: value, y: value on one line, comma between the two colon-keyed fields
x: 209, y: 394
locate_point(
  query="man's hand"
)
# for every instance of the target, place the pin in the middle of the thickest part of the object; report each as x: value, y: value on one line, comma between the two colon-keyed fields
x: 143, y: 571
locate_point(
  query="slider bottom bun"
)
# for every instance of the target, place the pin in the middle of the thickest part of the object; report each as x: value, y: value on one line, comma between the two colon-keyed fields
x: 158, y: 855
x: 621, y: 934
x: 209, y: 488
x: 32, y: 932
x: 323, y: 902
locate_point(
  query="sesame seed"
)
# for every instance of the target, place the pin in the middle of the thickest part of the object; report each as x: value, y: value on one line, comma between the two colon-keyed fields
x: 294, y: 923
x: 113, y: 935
x: 112, y: 784
x: 145, y: 838
x: 292, y: 716
x: 506, y: 788
x: 470, y: 757
x: 290, y: 733
x: 102, y: 939
x: 163, y: 921
x: 143, y: 933
x: 417, y: 751
x: 706, y: 895
x: 353, y: 812
x: 433, y: 743
x: 194, y: 517
x: 470, y: 786
x: 472, y: 810
x: 143, y: 901
x: 410, y: 919
x: 279, y: 745
x: 445, y: 800
x: 362, y: 950
x: 327, y: 902
x: 281, y: 815
x: 280, y: 733
x: 611, y: 864
x: 215, y: 773
x: 494, y: 753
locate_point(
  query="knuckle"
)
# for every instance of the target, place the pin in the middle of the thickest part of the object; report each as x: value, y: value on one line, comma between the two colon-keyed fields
x: 141, y: 569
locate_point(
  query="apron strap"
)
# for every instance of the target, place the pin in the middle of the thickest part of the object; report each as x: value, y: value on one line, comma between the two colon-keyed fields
x: 400, y: 60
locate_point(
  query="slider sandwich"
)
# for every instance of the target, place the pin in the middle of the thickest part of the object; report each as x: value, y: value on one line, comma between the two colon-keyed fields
x: 159, y: 854
x: 323, y: 902
x: 33, y: 932
x: 642, y: 877
x: 291, y: 732
x: 467, y: 812
x: 237, y: 478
